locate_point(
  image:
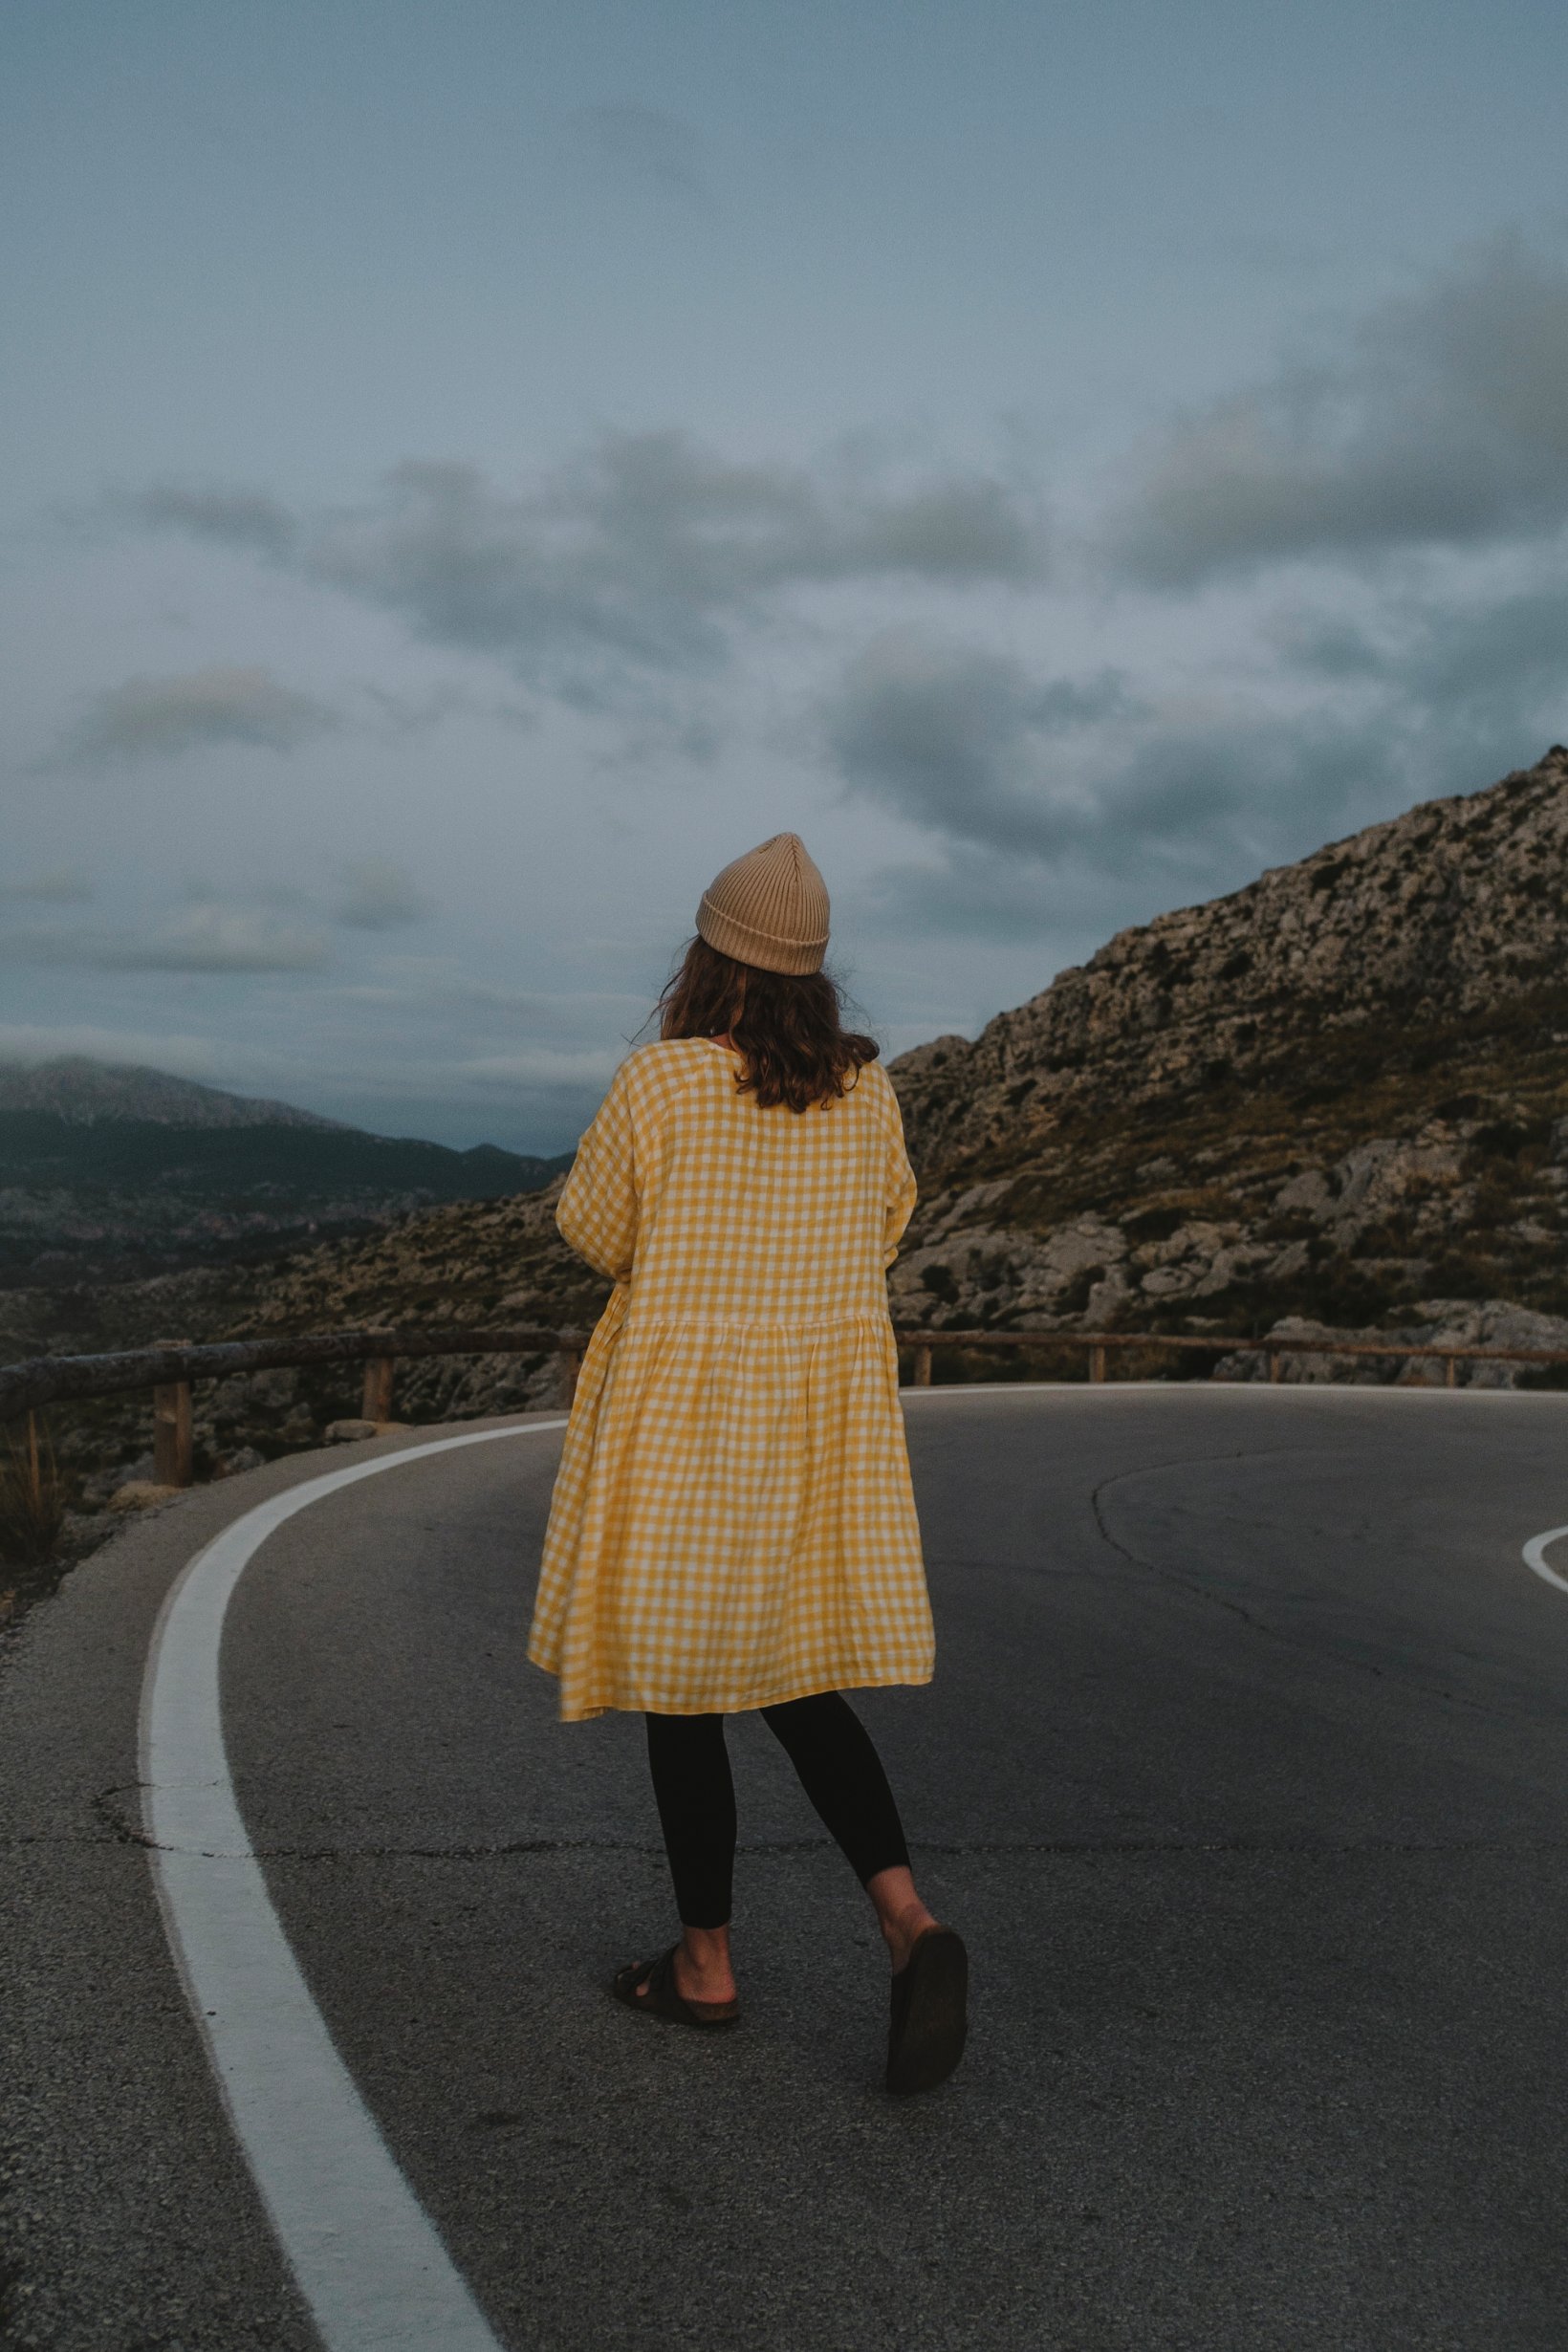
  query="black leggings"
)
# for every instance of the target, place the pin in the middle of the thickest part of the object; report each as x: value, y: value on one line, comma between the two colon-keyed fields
x: 840, y: 1770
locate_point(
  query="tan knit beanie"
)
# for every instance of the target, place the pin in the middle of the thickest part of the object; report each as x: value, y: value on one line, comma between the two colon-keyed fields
x: 769, y: 908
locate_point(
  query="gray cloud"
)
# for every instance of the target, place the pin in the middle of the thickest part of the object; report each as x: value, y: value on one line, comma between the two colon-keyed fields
x: 1501, y: 666
x: 206, y: 936
x: 642, y: 555
x: 65, y: 887
x: 1483, y: 683
x: 1180, y: 814
x: 542, y: 1065
x: 235, y: 516
x: 378, y: 895
x: 1044, y: 799
x: 969, y: 529
x: 960, y: 739
x: 1441, y: 420
x: 23, y: 1043
x: 649, y: 147
x: 210, y: 937
x: 416, y: 714
x: 159, y: 718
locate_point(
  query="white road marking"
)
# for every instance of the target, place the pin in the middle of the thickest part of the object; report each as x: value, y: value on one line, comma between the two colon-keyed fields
x: 365, y: 2254
x: 1535, y: 1556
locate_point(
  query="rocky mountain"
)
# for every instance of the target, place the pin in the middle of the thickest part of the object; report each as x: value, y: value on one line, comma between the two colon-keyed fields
x: 1340, y: 1094
x: 82, y: 1092
x: 108, y: 1174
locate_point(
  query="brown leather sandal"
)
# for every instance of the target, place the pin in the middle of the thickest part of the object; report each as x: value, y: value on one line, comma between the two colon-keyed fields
x: 930, y: 2005
x: 664, y: 1999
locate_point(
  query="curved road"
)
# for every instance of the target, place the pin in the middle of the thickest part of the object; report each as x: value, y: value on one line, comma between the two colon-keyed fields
x: 1243, y: 1774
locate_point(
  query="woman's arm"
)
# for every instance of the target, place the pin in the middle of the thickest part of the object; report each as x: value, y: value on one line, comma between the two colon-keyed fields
x: 597, y: 1212
x: 900, y: 1187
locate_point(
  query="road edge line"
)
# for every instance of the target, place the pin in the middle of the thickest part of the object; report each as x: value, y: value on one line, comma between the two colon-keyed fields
x: 363, y: 2252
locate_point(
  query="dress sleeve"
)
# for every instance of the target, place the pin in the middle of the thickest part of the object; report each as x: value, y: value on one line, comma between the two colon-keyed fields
x: 597, y: 1212
x: 901, y: 1189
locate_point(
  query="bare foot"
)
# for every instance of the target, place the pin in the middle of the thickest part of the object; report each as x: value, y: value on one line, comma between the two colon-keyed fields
x: 703, y: 1970
x: 901, y: 1914
x: 703, y: 1984
x: 903, y: 1933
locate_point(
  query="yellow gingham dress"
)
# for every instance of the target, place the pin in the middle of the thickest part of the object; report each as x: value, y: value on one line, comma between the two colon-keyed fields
x: 732, y: 1522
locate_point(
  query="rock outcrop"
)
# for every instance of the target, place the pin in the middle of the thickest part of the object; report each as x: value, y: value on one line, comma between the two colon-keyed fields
x: 1336, y: 1093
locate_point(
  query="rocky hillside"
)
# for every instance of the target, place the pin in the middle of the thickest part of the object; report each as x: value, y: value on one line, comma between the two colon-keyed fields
x: 472, y: 1262
x: 497, y: 1261
x: 1339, y: 1093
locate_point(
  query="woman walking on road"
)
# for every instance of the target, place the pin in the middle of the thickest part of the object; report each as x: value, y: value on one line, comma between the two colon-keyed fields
x: 733, y: 1525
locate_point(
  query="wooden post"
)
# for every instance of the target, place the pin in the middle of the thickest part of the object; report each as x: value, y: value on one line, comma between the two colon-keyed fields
x: 571, y: 1367
x: 376, y: 1403
x: 1452, y: 1376
x: 172, y: 1461
x: 923, y: 1364
x: 1096, y: 1362
x: 1276, y: 1370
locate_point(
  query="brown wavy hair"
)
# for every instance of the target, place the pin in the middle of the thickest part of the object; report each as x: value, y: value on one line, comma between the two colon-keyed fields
x: 788, y: 1026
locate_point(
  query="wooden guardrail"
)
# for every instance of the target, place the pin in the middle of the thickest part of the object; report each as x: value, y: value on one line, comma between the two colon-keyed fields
x: 170, y: 1368
x: 1101, y: 1344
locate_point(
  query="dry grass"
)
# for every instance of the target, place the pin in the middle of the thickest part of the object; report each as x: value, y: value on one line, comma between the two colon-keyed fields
x: 32, y: 1499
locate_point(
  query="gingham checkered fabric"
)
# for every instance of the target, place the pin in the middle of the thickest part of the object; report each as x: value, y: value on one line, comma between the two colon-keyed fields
x: 732, y: 1522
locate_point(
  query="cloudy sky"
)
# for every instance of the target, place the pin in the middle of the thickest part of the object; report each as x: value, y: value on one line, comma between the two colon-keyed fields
x: 473, y: 467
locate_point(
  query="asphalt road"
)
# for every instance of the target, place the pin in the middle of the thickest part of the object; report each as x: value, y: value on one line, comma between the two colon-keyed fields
x: 1243, y: 1774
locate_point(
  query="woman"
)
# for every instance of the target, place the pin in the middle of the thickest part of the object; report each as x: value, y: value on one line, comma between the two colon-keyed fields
x: 732, y: 1524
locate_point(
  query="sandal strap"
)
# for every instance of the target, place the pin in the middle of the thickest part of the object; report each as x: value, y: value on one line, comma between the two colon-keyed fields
x: 662, y: 1985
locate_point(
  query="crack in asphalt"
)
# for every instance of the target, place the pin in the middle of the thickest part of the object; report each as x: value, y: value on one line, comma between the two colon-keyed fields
x: 1157, y: 1568
x: 1200, y: 1591
x: 119, y: 1831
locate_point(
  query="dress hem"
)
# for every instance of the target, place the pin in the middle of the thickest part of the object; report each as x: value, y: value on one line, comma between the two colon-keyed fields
x: 810, y: 1688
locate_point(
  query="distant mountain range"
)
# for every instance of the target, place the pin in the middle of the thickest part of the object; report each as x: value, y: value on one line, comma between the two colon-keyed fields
x: 84, y: 1093
x: 107, y: 1171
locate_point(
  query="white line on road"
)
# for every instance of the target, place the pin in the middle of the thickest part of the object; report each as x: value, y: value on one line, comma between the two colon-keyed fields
x: 1535, y: 1556
x: 362, y: 2249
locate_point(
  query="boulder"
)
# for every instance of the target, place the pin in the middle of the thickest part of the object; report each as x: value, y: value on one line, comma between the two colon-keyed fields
x: 141, y: 1495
